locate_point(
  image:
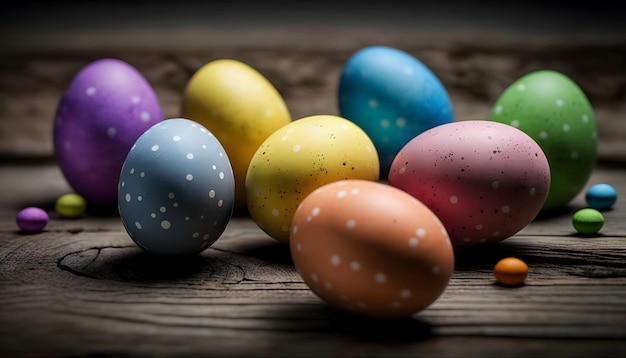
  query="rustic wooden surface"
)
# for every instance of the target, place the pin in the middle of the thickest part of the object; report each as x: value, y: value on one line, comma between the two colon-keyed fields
x: 83, y: 288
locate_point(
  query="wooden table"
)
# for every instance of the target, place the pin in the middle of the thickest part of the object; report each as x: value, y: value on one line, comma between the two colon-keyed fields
x: 83, y: 288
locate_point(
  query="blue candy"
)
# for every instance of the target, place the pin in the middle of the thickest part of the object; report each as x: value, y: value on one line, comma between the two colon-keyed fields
x: 601, y: 196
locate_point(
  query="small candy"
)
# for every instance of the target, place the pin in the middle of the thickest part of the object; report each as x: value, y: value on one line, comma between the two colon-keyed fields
x: 32, y: 219
x: 510, y: 271
x: 601, y: 196
x: 71, y: 205
x: 587, y: 221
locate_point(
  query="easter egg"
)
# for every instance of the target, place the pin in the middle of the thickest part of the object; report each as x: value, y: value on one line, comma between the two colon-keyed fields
x: 297, y: 159
x: 484, y: 180
x: 32, y: 219
x: 176, y: 189
x: 601, y: 196
x: 370, y: 249
x: 553, y: 110
x: 103, y: 111
x: 240, y: 107
x: 393, y: 97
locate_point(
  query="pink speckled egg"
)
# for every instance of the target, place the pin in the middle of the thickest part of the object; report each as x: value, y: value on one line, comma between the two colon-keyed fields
x: 370, y: 249
x: 484, y: 180
x: 102, y: 112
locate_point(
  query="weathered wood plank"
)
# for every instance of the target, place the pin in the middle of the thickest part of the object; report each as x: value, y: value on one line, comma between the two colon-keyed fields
x: 82, y: 287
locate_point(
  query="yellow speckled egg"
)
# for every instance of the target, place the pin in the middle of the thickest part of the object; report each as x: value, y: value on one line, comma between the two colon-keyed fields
x: 240, y: 107
x: 297, y: 159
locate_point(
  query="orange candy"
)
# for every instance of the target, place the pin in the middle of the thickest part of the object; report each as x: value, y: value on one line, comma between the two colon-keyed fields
x: 510, y: 271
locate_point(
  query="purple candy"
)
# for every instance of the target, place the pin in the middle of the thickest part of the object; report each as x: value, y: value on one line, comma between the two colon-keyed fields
x: 32, y: 219
x: 103, y: 111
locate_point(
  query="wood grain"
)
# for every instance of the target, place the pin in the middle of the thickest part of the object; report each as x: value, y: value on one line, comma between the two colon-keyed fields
x: 83, y: 288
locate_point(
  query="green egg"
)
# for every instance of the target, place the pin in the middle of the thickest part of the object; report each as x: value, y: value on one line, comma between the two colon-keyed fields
x: 554, y: 111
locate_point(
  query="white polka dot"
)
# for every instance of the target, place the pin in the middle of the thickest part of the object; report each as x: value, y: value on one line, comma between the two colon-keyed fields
x: 405, y: 294
x: 521, y: 87
x: 284, y: 228
x: 341, y: 194
x: 315, y: 212
x: 384, y: 123
x: 127, y: 197
x: 171, y: 195
x: 420, y: 232
x: 478, y: 227
x: 436, y: 270
x: 369, y: 149
x: 145, y: 116
x: 135, y: 99
x: 221, y: 175
x: 506, y: 209
x: 585, y: 118
x: 559, y: 102
x: 515, y: 123
x: 175, y: 205
x: 345, y: 127
x: 91, y: 91
x: 400, y: 122
x: 284, y: 138
x: 166, y: 224
x: 162, y: 209
x: 111, y: 132
x: 372, y: 103
x: 294, y: 229
x: 138, y: 225
x: 355, y: 266
x: 142, y: 174
x: 565, y: 127
x: 498, y: 109
x: 176, y: 138
x: 123, y: 184
x: 220, y: 203
x: 402, y: 170
x: 204, y: 146
x: 454, y: 199
x: 335, y: 260
x: 153, y: 215
x: 355, y: 191
x: 351, y: 224
x: 495, y: 184
x: 275, y: 212
x: 314, y: 277
x: 268, y: 112
x: 328, y: 286
x: 296, y: 148
x: 299, y: 247
x: 309, y: 218
x: 543, y: 135
x: 413, y: 242
x: 532, y: 191
x: 139, y: 198
x: 189, y: 155
x: 211, y: 193
x: 189, y: 177
x: 213, y: 167
x: 380, y: 277
x: 195, y: 235
x: 187, y: 218
x: 574, y: 155
x: 155, y: 148
x: 132, y: 170
x: 205, y: 237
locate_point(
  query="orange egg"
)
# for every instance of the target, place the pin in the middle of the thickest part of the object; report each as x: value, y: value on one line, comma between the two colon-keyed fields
x: 510, y: 271
x: 370, y: 249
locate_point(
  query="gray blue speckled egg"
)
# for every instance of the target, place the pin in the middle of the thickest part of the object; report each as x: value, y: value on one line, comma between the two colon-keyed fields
x: 176, y: 189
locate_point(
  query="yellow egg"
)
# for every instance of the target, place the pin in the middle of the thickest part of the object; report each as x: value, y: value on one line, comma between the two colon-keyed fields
x: 297, y: 159
x: 240, y: 107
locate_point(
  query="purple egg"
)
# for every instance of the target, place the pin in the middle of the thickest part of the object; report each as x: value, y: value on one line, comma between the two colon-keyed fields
x: 103, y: 111
x: 32, y: 219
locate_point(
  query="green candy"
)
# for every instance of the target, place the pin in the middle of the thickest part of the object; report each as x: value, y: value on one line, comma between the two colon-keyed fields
x: 587, y: 221
x: 553, y: 111
x: 70, y: 205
